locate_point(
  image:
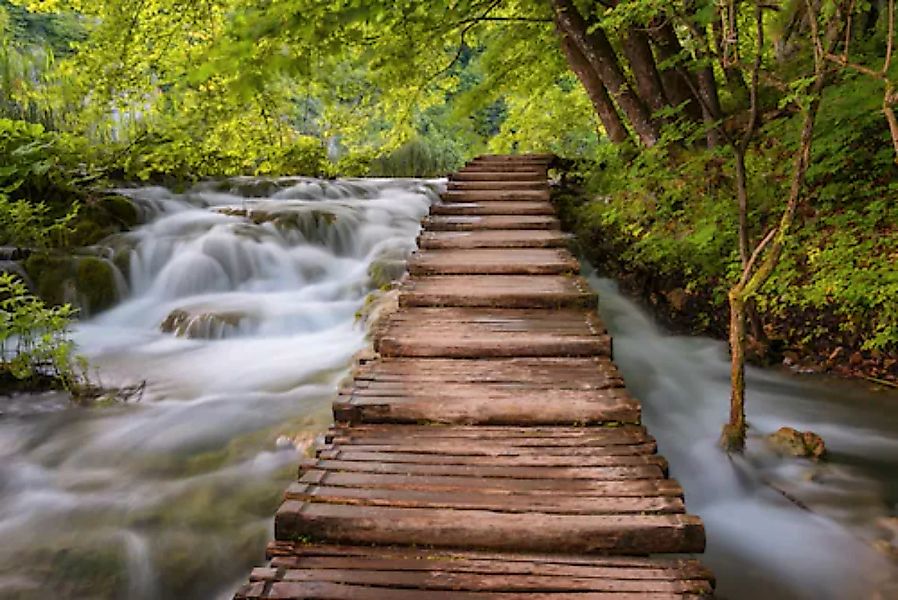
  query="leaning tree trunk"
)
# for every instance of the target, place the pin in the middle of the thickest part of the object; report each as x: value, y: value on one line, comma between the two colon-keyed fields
x: 707, y: 88
x: 600, y: 55
x: 678, y: 85
x: 636, y: 48
x: 596, y: 91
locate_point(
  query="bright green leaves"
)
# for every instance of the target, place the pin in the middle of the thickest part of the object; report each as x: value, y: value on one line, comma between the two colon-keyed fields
x: 34, y: 338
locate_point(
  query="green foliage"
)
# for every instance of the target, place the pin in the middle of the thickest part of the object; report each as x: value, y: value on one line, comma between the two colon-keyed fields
x: 674, y: 215
x: 29, y: 224
x: 27, y: 153
x: 34, y: 338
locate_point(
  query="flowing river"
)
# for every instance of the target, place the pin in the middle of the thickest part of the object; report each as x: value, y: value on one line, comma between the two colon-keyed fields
x: 240, y: 313
x: 172, y: 497
x: 777, y: 528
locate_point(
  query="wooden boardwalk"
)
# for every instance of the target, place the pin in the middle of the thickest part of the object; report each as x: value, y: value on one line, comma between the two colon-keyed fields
x: 490, y: 450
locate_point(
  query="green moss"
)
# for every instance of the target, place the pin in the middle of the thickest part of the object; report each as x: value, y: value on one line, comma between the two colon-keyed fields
x: 122, y: 210
x: 52, y: 275
x: 87, y: 232
x: 95, y: 280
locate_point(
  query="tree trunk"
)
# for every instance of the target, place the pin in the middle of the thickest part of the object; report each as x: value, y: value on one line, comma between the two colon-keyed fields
x: 733, y: 436
x: 742, y: 200
x: 705, y: 84
x: 600, y: 55
x: 601, y: 101
x: 676, y: 86
x: 636, y: 48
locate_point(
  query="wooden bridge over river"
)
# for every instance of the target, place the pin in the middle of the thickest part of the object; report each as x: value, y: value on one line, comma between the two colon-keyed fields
x: 490, y: 451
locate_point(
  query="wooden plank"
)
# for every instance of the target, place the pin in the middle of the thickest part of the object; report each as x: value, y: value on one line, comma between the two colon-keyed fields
x: 628, y: 534
x: 617, y: 488
x: 499, y: 291
x: 512, y: 562
x: 499, y: 175
x: 317, y: 590
x: 530, y: 157
x: 535, y: 184
x: 479, y: 500
x: 493, y: 239
x: 533, y: 170
x: 288, y: 555
x: 627, y: 434
x: 495, y: 195
x: 604, y: 473
x: 491, y: 261
x: 482, y: 333
x: 509, y: 448
x: 470, y: 405
x: 505, y: 207
x: 523, y: 460
x: 455, y: 581
x: 474, y: 222
x: 594, y: 373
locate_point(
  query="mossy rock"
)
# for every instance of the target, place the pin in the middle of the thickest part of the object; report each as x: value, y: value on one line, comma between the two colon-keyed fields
x: 101, y: 218
x: 87, y: 232
x: 95, y: 281
x: 53, y: 276
x: 122, y: 209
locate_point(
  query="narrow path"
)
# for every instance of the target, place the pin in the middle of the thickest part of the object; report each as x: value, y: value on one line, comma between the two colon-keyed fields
x: 490, y: 450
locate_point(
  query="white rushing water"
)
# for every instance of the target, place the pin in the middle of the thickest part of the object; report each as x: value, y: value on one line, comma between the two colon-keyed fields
x: 761, y: 544
x: 241, y: 318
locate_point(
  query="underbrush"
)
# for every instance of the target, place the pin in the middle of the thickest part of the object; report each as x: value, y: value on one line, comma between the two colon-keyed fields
x: 667, y: 222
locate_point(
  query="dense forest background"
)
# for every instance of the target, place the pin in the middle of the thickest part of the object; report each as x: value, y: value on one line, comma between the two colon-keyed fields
x: 718, y: 152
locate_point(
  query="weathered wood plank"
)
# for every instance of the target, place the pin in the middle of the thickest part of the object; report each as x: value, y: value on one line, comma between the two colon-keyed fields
x: 605, y: 473
x: 523, y: 238
x: 455, y: 581
x: 593, y: 373
x: 506, y: 207
x: 544, y: 435
x: 461, y: 448
x: 280, y: 590
x: 489, y: 261
x: 533, y: 170
x: 498, y: 175
x: 469, y: 405
x: 530, y: 157
x: 481, y: 333
x: 518, y: 460
x: 475, y: 223
x: 498, y: 291
x: 495, y: 195
x: 633, y: 534
x: 478, y: 500
x: 536, y: 184
x: 512, y: 562
x: 452, y: 484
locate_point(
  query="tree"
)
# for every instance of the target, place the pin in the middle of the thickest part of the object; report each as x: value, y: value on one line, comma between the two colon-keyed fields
x: 760, y: 263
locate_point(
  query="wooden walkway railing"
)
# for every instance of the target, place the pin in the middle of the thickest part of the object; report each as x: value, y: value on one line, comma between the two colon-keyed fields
x: 491, y: 450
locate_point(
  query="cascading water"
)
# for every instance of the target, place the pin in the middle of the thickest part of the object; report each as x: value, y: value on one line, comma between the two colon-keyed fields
x: 241, y: 318
x: 777, y: 528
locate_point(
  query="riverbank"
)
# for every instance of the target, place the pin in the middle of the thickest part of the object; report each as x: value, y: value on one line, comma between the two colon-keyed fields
x: 686, y: 289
